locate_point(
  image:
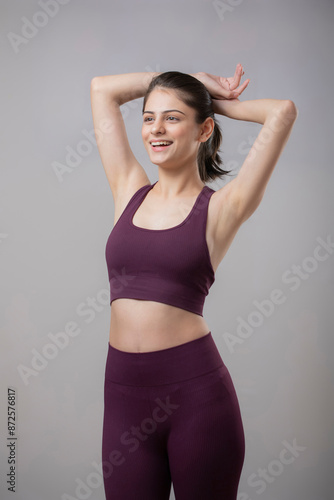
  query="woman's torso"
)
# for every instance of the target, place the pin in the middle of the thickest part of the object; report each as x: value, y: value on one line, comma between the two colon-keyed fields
x: 143, y: 325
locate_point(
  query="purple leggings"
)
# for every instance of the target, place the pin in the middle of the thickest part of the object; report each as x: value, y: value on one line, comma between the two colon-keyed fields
x: 171, y: 416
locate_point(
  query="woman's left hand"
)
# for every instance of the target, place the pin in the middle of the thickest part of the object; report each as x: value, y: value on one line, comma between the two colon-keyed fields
x: 223, y: 88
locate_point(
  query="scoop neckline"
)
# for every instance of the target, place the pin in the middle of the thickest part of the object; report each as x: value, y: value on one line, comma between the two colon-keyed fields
x: 168, y: 228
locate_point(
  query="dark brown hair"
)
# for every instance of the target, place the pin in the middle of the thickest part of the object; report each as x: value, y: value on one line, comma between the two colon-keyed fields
x: 194, y: 93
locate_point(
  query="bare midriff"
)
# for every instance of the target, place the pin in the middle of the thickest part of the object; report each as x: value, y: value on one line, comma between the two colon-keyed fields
x: 145, y: 326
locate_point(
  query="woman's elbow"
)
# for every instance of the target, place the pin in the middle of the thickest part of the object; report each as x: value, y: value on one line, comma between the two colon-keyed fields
x: 290, y: 109
x: 94, y: 83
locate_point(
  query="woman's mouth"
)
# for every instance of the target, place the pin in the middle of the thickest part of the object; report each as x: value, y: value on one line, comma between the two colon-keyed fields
x: 160, y: 145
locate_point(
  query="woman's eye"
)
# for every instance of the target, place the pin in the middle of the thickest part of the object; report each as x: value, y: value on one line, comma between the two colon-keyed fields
x: 149, y: 118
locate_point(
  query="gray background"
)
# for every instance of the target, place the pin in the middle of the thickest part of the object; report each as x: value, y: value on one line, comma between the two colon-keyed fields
x: 54, y: 229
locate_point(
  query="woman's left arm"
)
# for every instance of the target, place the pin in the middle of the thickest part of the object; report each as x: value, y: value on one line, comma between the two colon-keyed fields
x: 277, y: 117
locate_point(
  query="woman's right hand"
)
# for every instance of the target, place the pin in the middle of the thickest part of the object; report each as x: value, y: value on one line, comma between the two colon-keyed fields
x: 223, y: 88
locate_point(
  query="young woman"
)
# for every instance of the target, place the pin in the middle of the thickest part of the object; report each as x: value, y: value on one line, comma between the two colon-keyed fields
x: 171, y: 412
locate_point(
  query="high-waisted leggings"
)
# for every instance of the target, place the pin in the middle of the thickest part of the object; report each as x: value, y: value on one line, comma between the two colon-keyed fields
x: 171, y: 416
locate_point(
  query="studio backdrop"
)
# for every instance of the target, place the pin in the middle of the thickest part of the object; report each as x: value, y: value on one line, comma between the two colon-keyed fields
x: 271, y: 307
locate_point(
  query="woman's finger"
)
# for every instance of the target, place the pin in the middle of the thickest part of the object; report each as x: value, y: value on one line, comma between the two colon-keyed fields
x: 242, y: 87
x: 235, y: 80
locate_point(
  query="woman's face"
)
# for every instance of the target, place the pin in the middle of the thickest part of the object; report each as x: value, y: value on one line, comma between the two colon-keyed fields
x: 167, y: 118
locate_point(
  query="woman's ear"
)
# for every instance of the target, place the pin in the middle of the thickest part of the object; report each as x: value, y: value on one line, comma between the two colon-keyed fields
x: 206, y: 130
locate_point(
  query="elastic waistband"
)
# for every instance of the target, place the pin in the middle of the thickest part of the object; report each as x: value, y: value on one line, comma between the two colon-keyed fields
x: 166, y: 366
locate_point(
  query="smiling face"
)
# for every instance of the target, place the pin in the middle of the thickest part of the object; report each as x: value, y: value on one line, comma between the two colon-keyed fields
x: 166, y: 118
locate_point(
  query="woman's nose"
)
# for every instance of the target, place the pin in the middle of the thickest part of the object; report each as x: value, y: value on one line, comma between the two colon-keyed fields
x: 158, y: 126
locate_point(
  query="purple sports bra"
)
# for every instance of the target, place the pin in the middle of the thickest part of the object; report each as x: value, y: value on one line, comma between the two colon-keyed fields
x: 171, y: 265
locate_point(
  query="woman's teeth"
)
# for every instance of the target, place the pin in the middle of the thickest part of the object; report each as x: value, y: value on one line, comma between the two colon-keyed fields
x: 161, y: 143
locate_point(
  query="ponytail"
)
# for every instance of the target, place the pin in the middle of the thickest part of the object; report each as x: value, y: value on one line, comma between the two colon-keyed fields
x: 208, y: 158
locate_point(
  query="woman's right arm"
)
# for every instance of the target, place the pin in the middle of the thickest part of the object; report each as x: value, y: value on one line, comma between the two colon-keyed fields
x: 125, y: 175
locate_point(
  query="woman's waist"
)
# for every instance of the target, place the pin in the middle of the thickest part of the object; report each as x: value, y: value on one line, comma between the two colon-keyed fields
x: 140, y: 325
x: 182, y: 362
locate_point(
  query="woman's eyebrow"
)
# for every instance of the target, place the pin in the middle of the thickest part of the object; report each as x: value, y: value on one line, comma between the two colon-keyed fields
x: 166, y: 111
